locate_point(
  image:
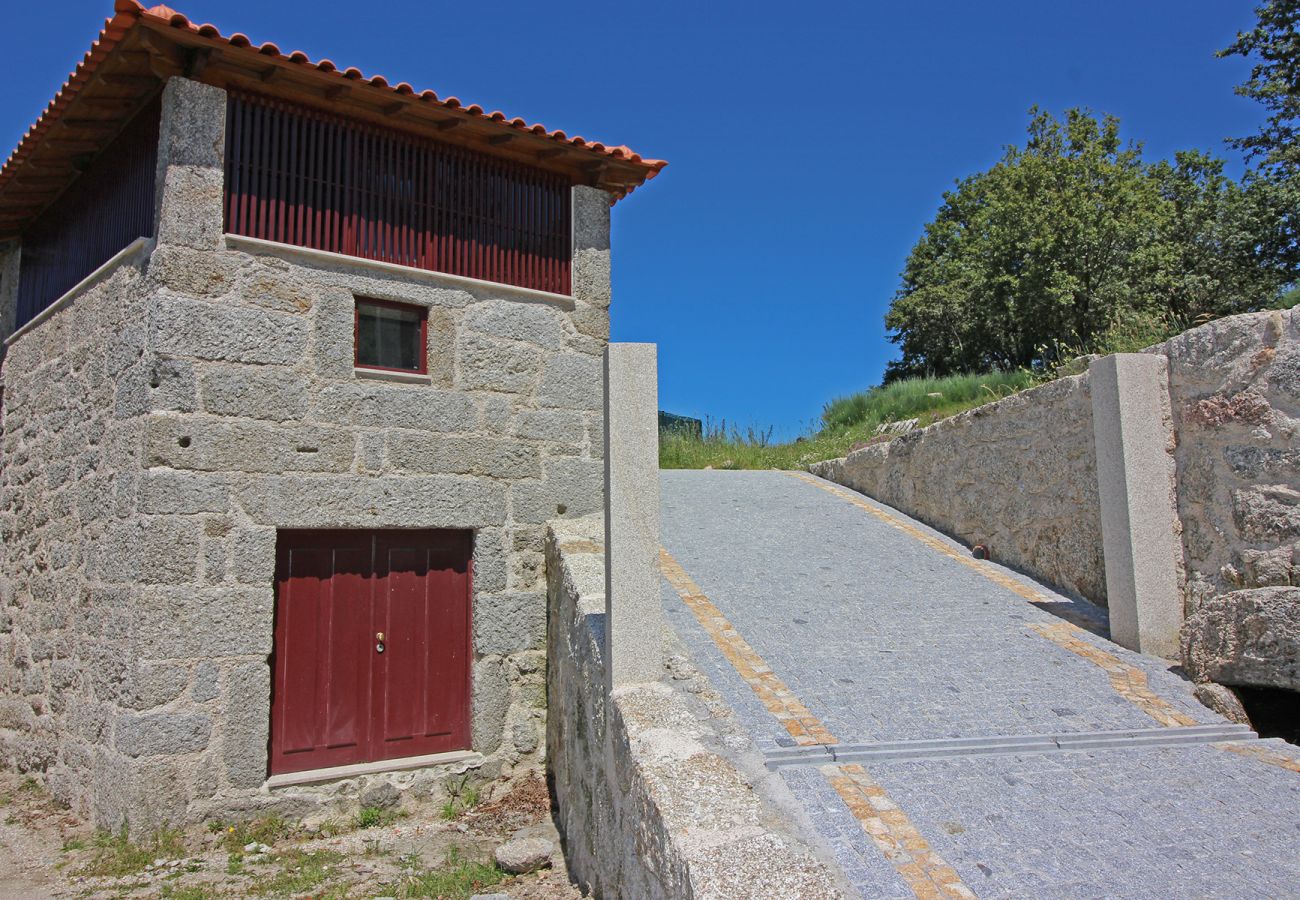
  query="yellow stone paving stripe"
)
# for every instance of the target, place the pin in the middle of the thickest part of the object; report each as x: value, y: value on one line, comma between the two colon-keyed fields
x: 1129, y: 681
x: 927, y: 874
x: 780, y: 701
x: 889, y: 828
x: 934, y: 543
x: 1263, y: 754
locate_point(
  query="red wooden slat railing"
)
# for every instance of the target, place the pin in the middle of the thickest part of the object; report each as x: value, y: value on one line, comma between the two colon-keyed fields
x: 303, y: 177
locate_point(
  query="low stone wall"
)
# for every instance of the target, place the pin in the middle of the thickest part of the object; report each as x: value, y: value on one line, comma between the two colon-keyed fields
x: 647, y: 809
x: 1018, y: 475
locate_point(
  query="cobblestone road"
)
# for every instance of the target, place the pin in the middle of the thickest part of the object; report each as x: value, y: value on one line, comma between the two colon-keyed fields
x: 885, y: 674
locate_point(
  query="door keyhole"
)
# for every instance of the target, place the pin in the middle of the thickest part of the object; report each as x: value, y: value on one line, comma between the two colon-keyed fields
x: 379, y: 642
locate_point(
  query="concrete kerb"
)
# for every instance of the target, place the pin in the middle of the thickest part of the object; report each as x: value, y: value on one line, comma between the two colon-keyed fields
x: 634, y: 617
x: 1133, y: 435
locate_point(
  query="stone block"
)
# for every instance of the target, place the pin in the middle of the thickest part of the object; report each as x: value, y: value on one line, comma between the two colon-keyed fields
x: 169, y: 551
x: 245, y: 724
x: 146, y: 793
x: 532, y: 323
x: 1248, y: 638
x: 442, y: 347
x: 161, y: 733
x: 489, y: 561
x: 150, y: 684
x: 206, y: 683
x: 1267, y: 513
x: 221, y: 333
x: 576, y: 484
x: 171, y: 385
x: 591, y: 247
x: 571, y: 381
x: 411, y: 501
x: 191, y: 146
x: 416, y: 407
x: 490, y: 702
x: 221, y: 445
x: 495, y: 365
x: 197, y: 273
x: 558, y: 426
x: 439, y: 454
x: 167, y: 492
x: 253, y: 555
x: 273, y: 285
x: 203, y: 622
x: 509, y: 623
x: 255, y: 393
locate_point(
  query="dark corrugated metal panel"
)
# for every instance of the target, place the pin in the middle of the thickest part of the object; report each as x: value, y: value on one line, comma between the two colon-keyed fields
x: 109, y: 205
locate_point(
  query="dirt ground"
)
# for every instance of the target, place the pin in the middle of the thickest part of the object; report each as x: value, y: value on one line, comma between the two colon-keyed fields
x: 46, y: 852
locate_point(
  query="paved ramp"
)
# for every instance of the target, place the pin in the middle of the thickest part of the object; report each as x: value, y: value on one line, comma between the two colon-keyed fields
x: 952, y: 728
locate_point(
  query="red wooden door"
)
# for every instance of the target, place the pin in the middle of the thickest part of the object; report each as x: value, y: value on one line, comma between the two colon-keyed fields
x: 372, y: 646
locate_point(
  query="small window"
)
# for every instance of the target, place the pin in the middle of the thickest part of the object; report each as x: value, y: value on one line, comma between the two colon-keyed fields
x: 391, y: 336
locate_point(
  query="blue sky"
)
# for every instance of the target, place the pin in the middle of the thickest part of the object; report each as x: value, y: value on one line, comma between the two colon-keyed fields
x: 808, y: 143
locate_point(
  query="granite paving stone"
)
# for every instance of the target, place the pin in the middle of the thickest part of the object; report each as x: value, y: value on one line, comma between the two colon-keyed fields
x: 886, y: 639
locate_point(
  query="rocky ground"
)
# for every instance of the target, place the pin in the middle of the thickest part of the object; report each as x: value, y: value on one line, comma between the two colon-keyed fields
x: 445, y: 852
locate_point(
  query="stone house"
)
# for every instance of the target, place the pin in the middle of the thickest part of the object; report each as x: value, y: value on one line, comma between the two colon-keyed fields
x: 297, y: 365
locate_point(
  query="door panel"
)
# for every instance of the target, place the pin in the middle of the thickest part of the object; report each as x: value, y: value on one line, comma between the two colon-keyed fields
x: 422, y: 595
x: 338, y: 700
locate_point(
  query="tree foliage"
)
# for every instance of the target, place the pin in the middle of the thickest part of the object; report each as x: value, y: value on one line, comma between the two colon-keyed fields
x: 1273, y: 46
x: 1074, y: 236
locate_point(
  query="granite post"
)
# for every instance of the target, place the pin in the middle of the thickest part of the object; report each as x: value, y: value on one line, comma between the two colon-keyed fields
x: 634, y: 618
x: 1133, y: 433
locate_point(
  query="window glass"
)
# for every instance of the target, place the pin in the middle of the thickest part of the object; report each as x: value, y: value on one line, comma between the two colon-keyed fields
x: 390, y: 336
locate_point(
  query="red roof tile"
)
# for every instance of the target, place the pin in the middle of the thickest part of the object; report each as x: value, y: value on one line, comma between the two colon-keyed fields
x: 129, y: 13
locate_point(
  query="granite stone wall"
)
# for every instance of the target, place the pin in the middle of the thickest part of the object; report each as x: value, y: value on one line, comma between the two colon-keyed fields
x: 160, y: 429
x: 76, y: 561
x: 1235, y: 389
x: 648, y: 805
x: 1018, y: 475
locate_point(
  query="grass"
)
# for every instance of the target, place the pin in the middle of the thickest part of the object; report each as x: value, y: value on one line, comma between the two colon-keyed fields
x: 847, y: 422
x: 375, y: 817
x: 915, y: 397
x: 300, y: 872
x: 117, y: 854
x: 188, y: 892
x: 462, y: 795
x: 263, y: 830
x: 456, y: 879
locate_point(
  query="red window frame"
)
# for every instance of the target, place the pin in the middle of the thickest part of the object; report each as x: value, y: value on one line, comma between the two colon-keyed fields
x: 391, y: 304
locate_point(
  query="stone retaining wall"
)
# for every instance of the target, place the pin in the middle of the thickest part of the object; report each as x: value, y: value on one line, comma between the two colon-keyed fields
x: 1235, y: 391
x: 1018, y: 475
x: 646, y: 808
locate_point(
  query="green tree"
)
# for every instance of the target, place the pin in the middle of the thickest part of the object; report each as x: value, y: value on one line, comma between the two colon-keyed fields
x: 1273, y: 46
x: 1072, y: 237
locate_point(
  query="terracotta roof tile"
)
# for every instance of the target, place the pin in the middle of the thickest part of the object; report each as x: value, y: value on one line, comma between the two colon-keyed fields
x: 128, y: 13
